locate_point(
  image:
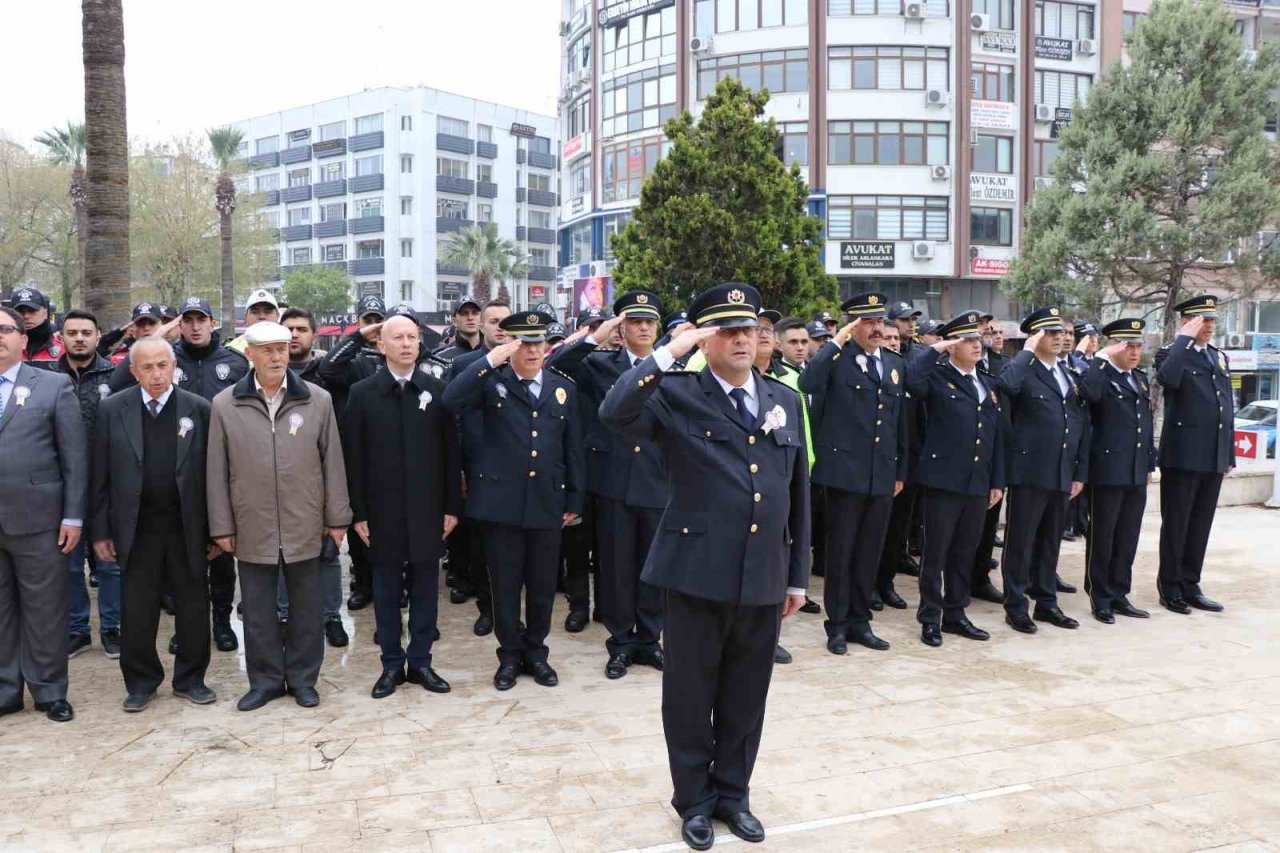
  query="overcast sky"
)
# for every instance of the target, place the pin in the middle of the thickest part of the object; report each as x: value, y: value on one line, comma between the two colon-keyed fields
x: 194, y: 65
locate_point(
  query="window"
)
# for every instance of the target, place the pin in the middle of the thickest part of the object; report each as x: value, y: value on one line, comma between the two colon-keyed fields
x: 451, y: 208
x: 369, y: 124
x: 484, y: 133
x: 406, y: 248
x: 453, y: 127
x: 539, y: 257
x: 406, y: 291
x: 540, y: 145
x: 406, y: 164
x: 300, y: 255
x: 578, y: 55
x: 451, y: 168
x: 333, y: 171
x: 406, y: 205
x: 484, y: 212
x: 992, y: 81
x: 539, y: 183
x: 580, y: 177
x: 242, y: 184
x: 267, y: 145
x: 540, y: 219
x: 580, y: 243
x: 887, y: 143
x: 369, y: 165
x: 793, y: 143
x: 612, y: 227
x: 1268, y: 321
x: 1064, y: 20
x: 734, y: 15
x: 484, y: 172
x: 267, y: 183
x: 578, y: 117
x: 1062, y: 89
x: 887, y: 217
x: 1129, y: 20
x: 934, y: 8
x: 299, y: 177
x: 298, y: 137
x: 368, y: 249
x: 242, y: 150
x: 993, y: 154
x: 625, y: 167
x: 333, y: 130
x: 638, y: 101
x: 999, y: 11
x: 643, y: 37
x: 368, y: 207
x: 406, y: 123
x: 1043, y: 153
x: 775, y: 70
x: 335, y: 212
x: 908, y: 68
x: 991, y: 226
x: 300, y: 216
x: 269, y: 218
x: 334, y: 252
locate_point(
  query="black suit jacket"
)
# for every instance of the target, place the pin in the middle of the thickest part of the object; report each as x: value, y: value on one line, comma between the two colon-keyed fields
x: 1049, y: 444
x: 117, y: 471
x: 1199, y: 414
x: 1122, y: 451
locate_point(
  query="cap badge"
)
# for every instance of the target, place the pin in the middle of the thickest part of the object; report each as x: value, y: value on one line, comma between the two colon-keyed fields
x: 561, y: 396
x: 873, y: 300
x: 737, y: 297
x: 144, y: 307
x: 193, y: 300
x: 24, y: 294
x: 532, y: 319
x: 223, y: 371
x: 973, y: 318
x: 1209, y: 302
x: 1137, y: 324
x: 423, y: 399
x: 1053, y: 312
x: 185, y: 425
x: 641, y: 299
x: 295, y: 421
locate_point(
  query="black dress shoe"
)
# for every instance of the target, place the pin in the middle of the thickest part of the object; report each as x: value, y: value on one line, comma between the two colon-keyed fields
x: 255, y: 699
x: 505, y: 677
x: 387, y: 682
x: 1021, y: 623
x: 810, y: 606
x: 1063, y: 586
x: 223, y: 637
x: 781, y: 655
x: 865, y: 637
x: 542, y: 673
x: 483, y: 626
x: 931, y: 635
x: 617, y: 666
x: 335, y: 634
x: 964, y: 628
x: 306, y: 697
x: 1177, y: 605
x: 653, y: 658
x: 358, y: 601
x: 59, y: 710
x: 166, y: 604
x: 458, y: 596
x: 1200, y: 602
x: 1124, y: 608
x: 890, y: 597
x: 173, y: 644
x: 697, y: 832
x: 428, y: 679
x: 1069, y: 535
x: 200, y: 694
x: 135, y: 702
x: 744, y: 825
x: 909, y: 568
x: 1104, y: 615
x: 576, y: 621
x: 838, y: 645
x: 987, y: 592
x: 877, y: 603
x: 1054, y: 616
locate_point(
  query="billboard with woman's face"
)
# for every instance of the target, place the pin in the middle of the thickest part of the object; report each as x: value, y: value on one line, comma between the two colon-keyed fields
x: 594, y: 292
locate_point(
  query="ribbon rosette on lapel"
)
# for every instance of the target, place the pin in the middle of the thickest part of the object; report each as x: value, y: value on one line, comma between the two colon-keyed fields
x: 185, y: 426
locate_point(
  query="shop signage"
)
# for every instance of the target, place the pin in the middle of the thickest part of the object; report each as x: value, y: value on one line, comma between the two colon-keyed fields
x: 999, y: 42
x: 615, y: 12
x: 991, y: 266
x: 993, y: 115
x: 1051, y: 48
x: 867, y: 255
x: 999, y: 188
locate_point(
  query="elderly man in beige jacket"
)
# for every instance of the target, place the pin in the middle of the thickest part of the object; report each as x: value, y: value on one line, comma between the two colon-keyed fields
x: 277, y: 497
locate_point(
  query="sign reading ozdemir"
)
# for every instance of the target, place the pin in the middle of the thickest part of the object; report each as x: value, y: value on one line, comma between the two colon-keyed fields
x: 614, y: 12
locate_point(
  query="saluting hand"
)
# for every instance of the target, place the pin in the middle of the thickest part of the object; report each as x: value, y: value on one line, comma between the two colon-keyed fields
x: 578, y: 334
x: 686, y: 340
x: 502, y: 353
x: 842, y: 336
x: 1192, y: 327
x: 1114, y: 350
x: 371, y: 332
x: 170, y: 331
x: 602, y: 335
x: 1033, y: 341
x: 946, y: 345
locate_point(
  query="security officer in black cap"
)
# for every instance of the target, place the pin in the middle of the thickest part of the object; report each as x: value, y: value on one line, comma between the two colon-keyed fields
x: 528, y: 484
x: 1076, y: 521
x: 628, y: 479
x: 1122, y: 455
x: 907, y: 319
x: 731, y: 552
x: 828, y: 320
x: 958, y: 488
x: 927, y: 332
x: 669, y: 322
x: 860, y: 441
x: 1197, y: 448
x: 819, y: 334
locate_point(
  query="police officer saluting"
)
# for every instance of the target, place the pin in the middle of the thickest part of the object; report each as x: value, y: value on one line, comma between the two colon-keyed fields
x: 1196, y: 449
x: 1122, y: 456
x: 526, y: 484
x: 731, y: 552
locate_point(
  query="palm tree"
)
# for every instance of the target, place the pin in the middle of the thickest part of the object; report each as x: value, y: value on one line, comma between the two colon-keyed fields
x: 511, y: 265
x: 66, y: 148
x: 225, y: 142
x: 106, y: 266
x: 483, y: 253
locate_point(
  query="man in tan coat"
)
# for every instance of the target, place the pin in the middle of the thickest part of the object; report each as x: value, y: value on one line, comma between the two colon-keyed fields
x: 277, y: 499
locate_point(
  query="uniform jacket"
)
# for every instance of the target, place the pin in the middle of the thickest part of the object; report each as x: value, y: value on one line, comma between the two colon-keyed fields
x: 205, y: 371
x: 275, y: 486
x: 619, y: 469
x: 44, y: 475
x: 118, y: 454
x: 92, y: 385
x: 1199, y: 412
x: 963, y: 446
x: 528, y: 470
x: 44, y: 348
x: 1049, y: 443
x: 736, y: 525
x: 1122, y: 450
x: 861, y: 436
x: 789, y: 375
x: 404, y: 472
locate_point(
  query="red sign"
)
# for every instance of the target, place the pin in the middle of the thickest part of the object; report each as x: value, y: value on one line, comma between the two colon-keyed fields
x: 1247, y: 444
x: 990, y: 266
x: 537, y: 291
x: 572, y: 147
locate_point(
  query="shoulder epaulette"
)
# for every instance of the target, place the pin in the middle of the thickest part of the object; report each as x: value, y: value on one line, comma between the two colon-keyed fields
x: 561, y: 374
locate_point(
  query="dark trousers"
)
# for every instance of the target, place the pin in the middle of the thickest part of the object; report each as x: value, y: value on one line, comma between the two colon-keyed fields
x: 478, y: 569
x: 35, y: 588
x: 1076, y: 518
x: 1032, y: 540
x: 158, y: 564
x: 719, y: 661
x: 986, y: 546
x: 458, y: 556
x: 222, y: 585
x: 423, y: 583
x: 1188, y: 501
x: 855, y: 533
x: 361, y: 568
x: 632, y: 608
x: 576, y: 544
x: 894, y: 553
x: 1114, y: 526
x: 522, y: 559
x: 276, y: 656
x: 952, y: 525
x: 818, y: 528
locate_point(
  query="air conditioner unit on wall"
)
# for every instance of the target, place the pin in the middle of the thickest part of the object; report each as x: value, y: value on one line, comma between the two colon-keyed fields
x: 979, y: 23
x: 913, y: 10
x: 700, y: 44
x: 937, y: 97
x: 1044, y: 183
x: 940, y: 173
x: 922, y: 250
x: 1236, y: 340
x: 599, y: 268
x: 1086, y: 47
x: 1044, y: 113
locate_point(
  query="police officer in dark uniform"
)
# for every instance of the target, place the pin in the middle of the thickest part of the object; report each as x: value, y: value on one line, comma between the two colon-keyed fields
x: 731, y: 552
x: 1048, y: 465
x: 957, y: 488
x: 628, y: 480
x: 1122, y: 455
x: 819, y: 334
x: 992, y: 364
x: 528, y: 484
x: 1076, y: 521
x: 1197, y: 448
x: 860, y: 442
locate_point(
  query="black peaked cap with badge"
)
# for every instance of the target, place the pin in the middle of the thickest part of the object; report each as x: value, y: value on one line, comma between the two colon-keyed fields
x: 966, y: 324
x: 866, y: 306
x: 1203, y: 305
x: 527, y: 327
x: 371, y: 305
x: 903, y: 310
x: 1046, y: 319
x: 727, y: 306
x: 637, y: 305
x: 1127, y: 329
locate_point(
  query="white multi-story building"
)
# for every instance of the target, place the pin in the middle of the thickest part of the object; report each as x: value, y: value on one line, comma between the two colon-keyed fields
x: 374, y: 182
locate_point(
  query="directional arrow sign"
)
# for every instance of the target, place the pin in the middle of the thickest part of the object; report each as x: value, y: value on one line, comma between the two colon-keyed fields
x: 1246, y: 444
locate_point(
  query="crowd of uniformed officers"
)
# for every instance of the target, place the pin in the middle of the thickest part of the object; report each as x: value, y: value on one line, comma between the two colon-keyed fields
x: 678, y: 476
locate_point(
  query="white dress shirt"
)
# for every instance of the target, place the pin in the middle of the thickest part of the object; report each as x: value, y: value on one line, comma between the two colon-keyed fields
x: 1056, y: 368
x: 971, y: 376
x: 274, y: 401
x: 162, y: 399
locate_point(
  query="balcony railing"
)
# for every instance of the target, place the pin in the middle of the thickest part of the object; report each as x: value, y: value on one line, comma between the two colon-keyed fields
x: 449, y: 184
x: 329, y: 148
x: 367, y: 266
x: 446, y: 224
x: 293, y: 233
x: 269, y: 197
x: 542, y: 161
x: 451, y: 269
x: 332, y: 228
x: 302, y: 193
x: 542, y: 198
x: 365, y: 183
x: 487, y: 150
x: 300, y: 154
x: 328, y: 189
x: 366, y: 225
x: 264, y: 161
x: 365, y: 141
x: 542, y: 273
x: 544, y: 236
x: 456, y: 144
x: 486, y: 189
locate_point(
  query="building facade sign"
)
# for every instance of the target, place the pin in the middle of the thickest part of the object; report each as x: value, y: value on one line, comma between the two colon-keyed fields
x: 1051, y: 48
x: 999, y: 42
x: 993, y: 115
x: 867, y: 255
x: 615, y: 12
x: 984, y: 188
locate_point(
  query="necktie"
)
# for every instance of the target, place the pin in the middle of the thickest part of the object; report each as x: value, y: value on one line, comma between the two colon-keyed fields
x: 1208, y: 357
x: 977, y: 386
x: 154, y: 405
x: 1064, y: 384
x: 745, y: 418
x: 1128, y: 377
x: 3, y: 380
x: 528, y: 387
x: 875, y: 367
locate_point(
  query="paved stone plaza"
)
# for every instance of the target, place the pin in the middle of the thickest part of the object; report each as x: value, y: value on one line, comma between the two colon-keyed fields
x: 1146, y: 735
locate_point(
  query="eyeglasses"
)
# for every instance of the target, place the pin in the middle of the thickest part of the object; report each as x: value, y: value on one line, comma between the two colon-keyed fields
x: 8, y: 330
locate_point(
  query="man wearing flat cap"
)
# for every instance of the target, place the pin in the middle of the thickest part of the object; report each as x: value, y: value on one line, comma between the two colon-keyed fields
x: 1197, y: 448
x: 731, y: 553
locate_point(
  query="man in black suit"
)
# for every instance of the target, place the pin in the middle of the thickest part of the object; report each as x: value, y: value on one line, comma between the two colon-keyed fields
x: 405, y: 484
x: 1122, y: 455
x: 149, y: 506
x: 731, y: 552
x: 1197, y: 448
x: 992, y: 364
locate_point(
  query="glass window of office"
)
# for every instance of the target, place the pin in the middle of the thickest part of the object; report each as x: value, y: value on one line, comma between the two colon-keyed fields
x: 369, y: 165
x: 1000, y: 12
x: 484, y: 133
x: 369, y: 124
x: 335, y: 212
x: 887, y: 143
x: 580, y: 243
x: 1129, y: 20
x: 578, y: 116
x: 1043, y: 153
x: 1062, y: 89
x: 888, y: 68
x: 484, y: 212
x: 333, y: 130
x: 266, y: 145
x: 840, y: 8
x: 580, y: 177
x: 406, y: 291
x: 625, y: 166
x: 267, y: 183
x: 613, y: 225
x: 334, y: 252
x: 368, y: 207
x: 299, y: 177
x: 406, y: 164
x: 539, y: 257
x: 540, y: 219
x: 453, y: 127
x: 793, y: 142
x: 451, y: 208
x: 540, y: 144
x: 406, y: 247
x: 775, y: 70
x: 871, y: 217
x: 539, y: 183
x: 335, y: 170
x: 368, y: 248
x: 450, y: 167
x: 993, y: 153
x: 484, y: 173
x: 740, y: 15
x: 991, y: 226
x: 300, y: 255
x: 578, y: 55
x: 639, y: 101
x: 992, y: 81
x: 300, y: 216
x: 640, y: 38
x: 1064, y: 20
x: 406, y: 123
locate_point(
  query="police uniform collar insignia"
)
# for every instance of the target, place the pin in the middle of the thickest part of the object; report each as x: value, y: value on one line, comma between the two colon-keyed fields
x: 423, y: 399
x: 185, y: 425
x: 295, y: 422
